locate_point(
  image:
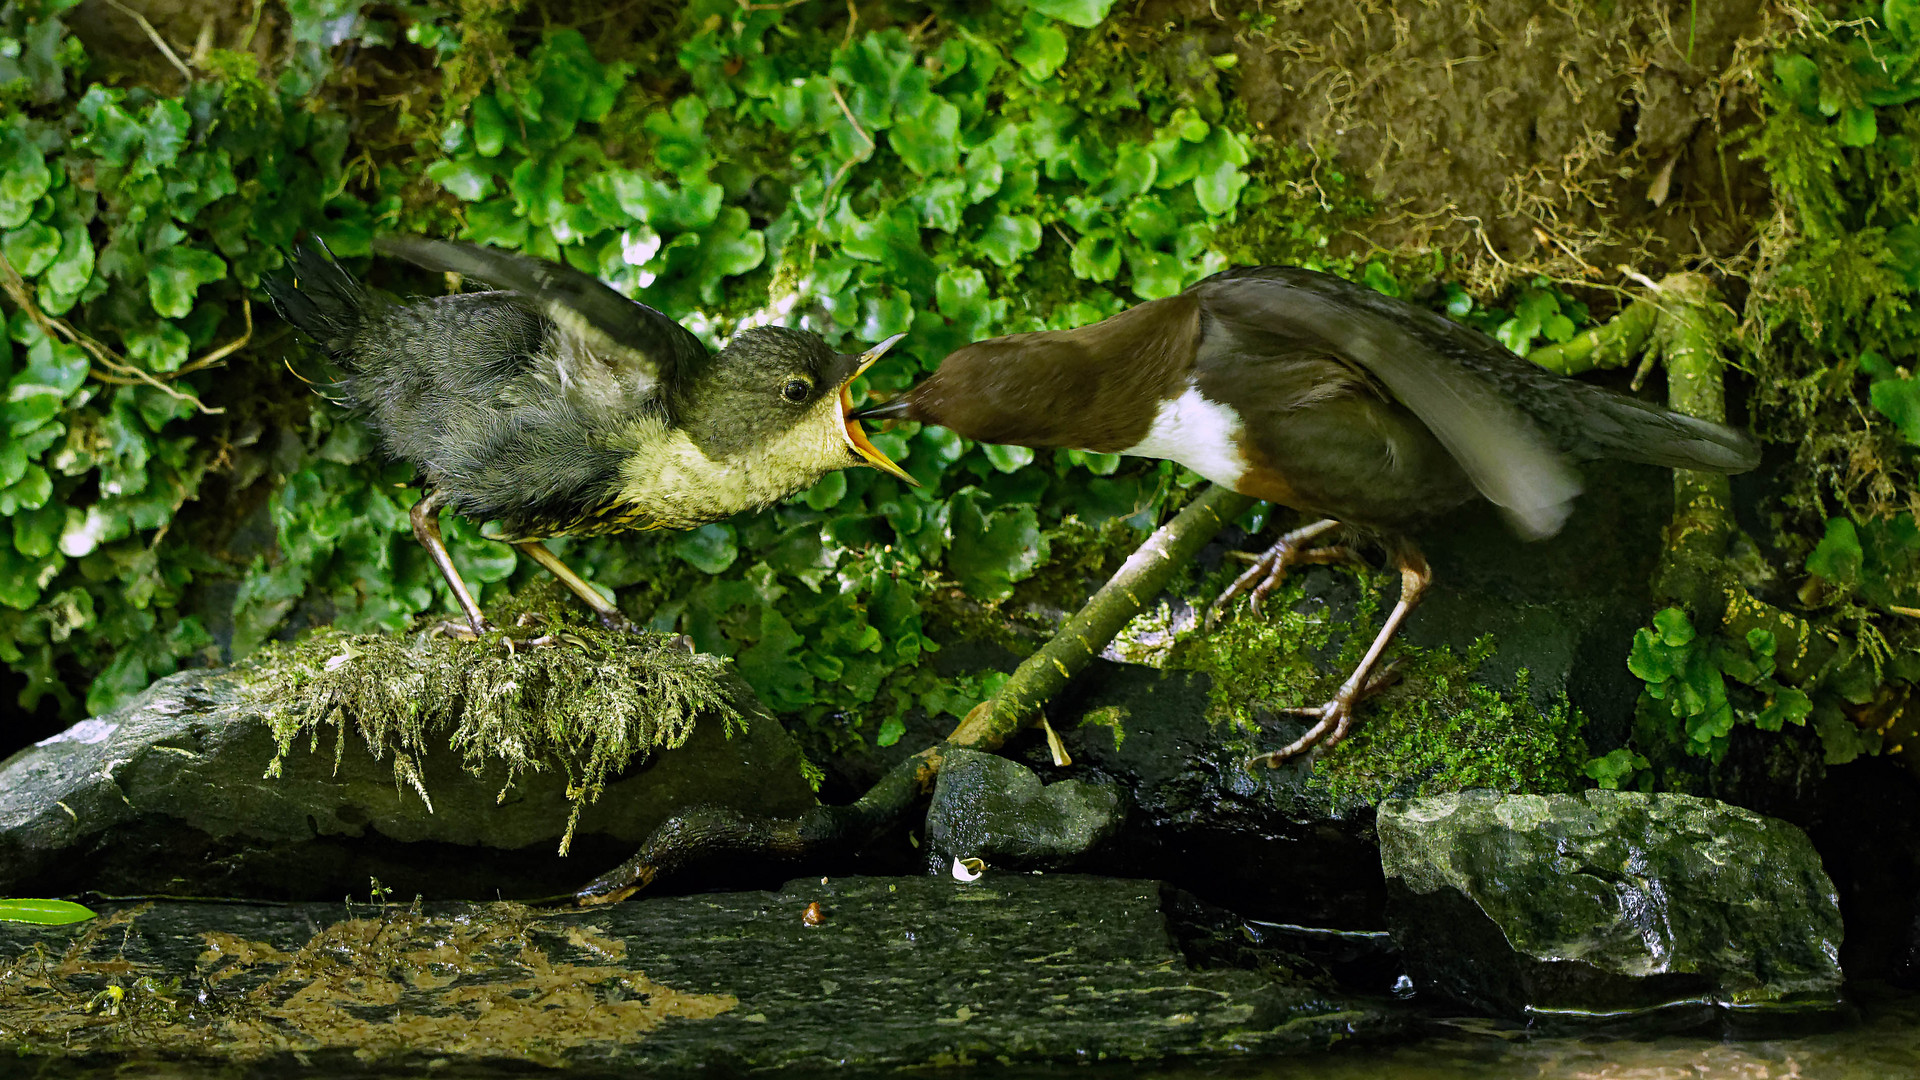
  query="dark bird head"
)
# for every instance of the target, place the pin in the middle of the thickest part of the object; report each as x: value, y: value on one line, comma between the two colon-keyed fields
x: 780, y: 396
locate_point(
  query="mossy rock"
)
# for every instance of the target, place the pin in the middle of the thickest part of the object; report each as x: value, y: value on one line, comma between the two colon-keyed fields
x: 990, y: 808
x: 1608, y: 902
x: 266, y: 780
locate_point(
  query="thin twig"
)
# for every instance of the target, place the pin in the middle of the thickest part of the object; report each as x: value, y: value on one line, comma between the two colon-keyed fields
x: 835, y: 87
x: 853, y: 20
x: 231, y: 347
x: 154, y: 35
x: 126, y: 374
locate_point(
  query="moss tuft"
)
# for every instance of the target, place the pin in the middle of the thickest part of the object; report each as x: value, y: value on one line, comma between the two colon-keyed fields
x: 1433, y: 732
x: 589, y: 704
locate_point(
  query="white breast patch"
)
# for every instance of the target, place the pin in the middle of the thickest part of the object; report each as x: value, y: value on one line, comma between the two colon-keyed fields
x: 1199, y: 433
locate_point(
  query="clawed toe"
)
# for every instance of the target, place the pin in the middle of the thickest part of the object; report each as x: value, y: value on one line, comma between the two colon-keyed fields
x: 1333, y: 721
x: 1269, y: 569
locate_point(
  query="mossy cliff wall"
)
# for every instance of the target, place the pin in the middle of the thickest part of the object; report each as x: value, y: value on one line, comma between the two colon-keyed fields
x: 170, y: 493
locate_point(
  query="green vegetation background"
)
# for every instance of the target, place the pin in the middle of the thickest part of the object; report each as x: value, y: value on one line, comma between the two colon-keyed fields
x: 952, y: 171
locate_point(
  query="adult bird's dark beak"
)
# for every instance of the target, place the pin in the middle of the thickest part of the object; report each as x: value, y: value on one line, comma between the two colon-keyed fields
x: 886, y: 410
x: 857, y: 435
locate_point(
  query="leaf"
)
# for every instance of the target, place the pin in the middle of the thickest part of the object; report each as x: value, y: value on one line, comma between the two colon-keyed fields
x: 125, y: 676
x: 465, y: 180
x: 709, y: 549
x: 71, y: 270
x: 43, y: 912
x: 175, y: 274
x: 1799, y: 79
x: 1134, y: 171
x: 1856, y: 127
x: 828, y: 492
x: 1789, y: 706
x: 21, y: 578
x: 1096, y: 256
x: 940, y: 202
x: 929, y: 143
x: 30, y: 492
x: 1156, y: 274
x: 1008, y: 458
x: 1042, y: 50
x: 992, y: 549
x: 1898, y: 399
x: 536, y: 185
x: 110, y: 132
x: 165, y: 130
x: 1618, y: 765
x: 1902, y: 21
x: 1837, y: 557
x: 24, y: 177
x: 1009, y: 237
x: 489, y: 122
x: 1082, y: 13
x: 161, y: 345
x: 1673, y: 627
x: 693, y: 205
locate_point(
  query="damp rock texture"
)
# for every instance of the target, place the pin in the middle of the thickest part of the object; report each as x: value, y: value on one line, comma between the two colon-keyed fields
x: 168, y: 795
x: 888, y: 973
x: 1607, y: 902
x: 987, y: 807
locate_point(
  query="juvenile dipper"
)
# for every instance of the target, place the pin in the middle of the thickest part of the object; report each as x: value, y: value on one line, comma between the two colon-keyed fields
x: 1309, y: 391
x: 557, y: 406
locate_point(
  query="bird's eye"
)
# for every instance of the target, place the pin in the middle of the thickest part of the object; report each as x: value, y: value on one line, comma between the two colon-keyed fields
x: 796, y: 391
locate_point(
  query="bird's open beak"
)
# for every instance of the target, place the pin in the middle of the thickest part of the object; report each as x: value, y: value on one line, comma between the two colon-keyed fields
x: 857, y: 435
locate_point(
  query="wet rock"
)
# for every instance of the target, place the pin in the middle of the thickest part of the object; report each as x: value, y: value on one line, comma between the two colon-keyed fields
x: 887, y: 974
x: 1264, y: 843
x: 1608, y: 902
x: 167, y: 796
x: 988, y: 807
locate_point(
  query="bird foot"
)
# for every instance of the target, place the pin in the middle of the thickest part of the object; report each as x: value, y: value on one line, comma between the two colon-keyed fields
x: 465, y: 631
x: 1269, y: 569
x: 1332, y: 720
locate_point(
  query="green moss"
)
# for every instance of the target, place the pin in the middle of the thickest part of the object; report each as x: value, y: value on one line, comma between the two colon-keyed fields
x: 588, y: 704
x: 1111, y: 717
x: 1434, y: 731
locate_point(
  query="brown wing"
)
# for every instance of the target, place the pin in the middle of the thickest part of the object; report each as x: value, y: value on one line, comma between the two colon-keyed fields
x: 1505, y: 454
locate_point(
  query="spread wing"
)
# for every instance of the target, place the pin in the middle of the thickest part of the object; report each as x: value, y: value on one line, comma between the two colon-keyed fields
x: 1427, y: 363
x: 645, y: 349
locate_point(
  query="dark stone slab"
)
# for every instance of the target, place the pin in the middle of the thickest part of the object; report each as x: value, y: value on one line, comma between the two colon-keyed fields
x: 893, y: 973
x: 167, y: 796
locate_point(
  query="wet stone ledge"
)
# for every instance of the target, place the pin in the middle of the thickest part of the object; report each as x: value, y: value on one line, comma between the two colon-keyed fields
x: 884, y: 973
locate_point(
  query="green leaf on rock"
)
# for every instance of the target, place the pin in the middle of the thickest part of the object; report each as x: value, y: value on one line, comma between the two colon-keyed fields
x: 43, y: 912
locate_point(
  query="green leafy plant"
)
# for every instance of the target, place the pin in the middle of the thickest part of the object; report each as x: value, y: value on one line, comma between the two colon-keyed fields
x: 1010, y: 173
x: 1687, y: 700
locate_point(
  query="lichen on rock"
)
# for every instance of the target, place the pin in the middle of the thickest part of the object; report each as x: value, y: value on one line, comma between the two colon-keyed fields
x: 589, y: 704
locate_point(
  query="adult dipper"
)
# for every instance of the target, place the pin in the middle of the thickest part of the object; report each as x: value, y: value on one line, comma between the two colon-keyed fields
x: 1309, y: 391
x: 556, y: 406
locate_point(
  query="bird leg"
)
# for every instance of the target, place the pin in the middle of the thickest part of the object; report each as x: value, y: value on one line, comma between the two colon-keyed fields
x: 610, y: 616
x: 1269, y: 570
x: 426, y: 529
x: 1336, y: 716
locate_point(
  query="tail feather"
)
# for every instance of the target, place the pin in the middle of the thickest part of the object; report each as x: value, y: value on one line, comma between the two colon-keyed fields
x: 320, y: 299
x: 1615, y: 426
